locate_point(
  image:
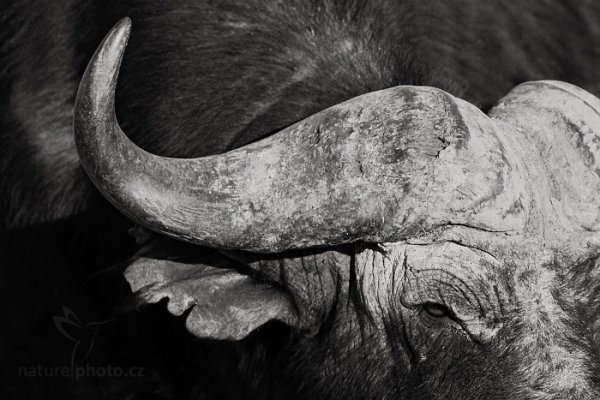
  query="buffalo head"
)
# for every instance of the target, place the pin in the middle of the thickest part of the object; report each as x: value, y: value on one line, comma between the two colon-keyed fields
x: 417, y: 247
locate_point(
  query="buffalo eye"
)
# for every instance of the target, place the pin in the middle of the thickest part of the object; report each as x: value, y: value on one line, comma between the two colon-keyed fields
x: 437, y: 310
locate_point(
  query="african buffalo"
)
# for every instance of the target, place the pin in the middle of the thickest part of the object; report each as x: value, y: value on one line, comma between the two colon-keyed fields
x: 339, y: 199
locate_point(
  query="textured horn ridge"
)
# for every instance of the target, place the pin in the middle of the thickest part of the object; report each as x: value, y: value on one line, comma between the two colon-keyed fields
x: 380, y: 167
x: 563, y: 123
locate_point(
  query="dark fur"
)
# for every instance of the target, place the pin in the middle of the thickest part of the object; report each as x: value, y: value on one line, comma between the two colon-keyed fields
x: 201, y: 77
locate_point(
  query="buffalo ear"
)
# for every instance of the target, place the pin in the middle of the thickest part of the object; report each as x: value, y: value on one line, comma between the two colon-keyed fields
x: 225, y: 303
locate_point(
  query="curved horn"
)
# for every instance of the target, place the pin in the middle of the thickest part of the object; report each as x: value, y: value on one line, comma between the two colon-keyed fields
x: 378, y: 167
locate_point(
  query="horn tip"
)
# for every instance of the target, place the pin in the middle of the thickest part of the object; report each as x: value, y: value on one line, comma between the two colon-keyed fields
x: 121, y: 30
x: 93, y: 115
x: 100, y: 76
x: 114, y: 43
x: 107, y: 59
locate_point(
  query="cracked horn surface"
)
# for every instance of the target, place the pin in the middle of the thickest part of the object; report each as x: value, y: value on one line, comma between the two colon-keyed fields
x: 380, y: 167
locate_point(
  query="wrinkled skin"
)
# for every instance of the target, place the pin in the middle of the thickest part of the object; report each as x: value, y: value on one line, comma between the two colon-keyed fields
x: 459, y: 314
x: 463, y: 327
x: 537, y: 339
x: 493, y: 329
